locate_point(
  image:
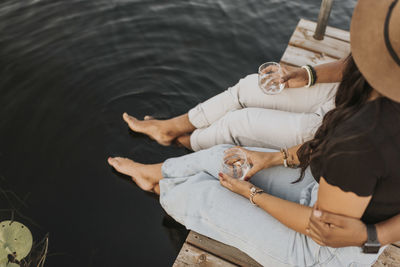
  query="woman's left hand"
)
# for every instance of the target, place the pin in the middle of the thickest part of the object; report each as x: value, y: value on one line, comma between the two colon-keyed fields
x: 235, y: 185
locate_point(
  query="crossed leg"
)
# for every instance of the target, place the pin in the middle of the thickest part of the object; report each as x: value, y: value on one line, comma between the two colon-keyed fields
x: 245, y: 94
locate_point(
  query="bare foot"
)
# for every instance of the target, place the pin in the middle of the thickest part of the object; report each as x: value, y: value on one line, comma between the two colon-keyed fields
x: 155, y: 129
x: 136, y: 170
x: 184, y: 140
x: 148, y: 117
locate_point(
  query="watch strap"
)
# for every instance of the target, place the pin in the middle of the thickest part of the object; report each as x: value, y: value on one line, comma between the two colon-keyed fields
x: 371, y: 232
x: 372, y: 245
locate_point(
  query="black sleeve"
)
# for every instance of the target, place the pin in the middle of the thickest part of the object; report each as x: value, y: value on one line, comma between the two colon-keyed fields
x: 353, y: 165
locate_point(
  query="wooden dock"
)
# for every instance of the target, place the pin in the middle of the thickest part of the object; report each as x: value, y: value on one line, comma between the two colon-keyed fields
x: 302, y: 49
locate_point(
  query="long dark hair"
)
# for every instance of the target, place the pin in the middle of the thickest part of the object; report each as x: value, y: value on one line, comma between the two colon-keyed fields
x: 352, y: 94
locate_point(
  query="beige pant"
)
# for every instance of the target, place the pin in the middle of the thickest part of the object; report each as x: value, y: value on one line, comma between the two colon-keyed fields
x: 244, y: 115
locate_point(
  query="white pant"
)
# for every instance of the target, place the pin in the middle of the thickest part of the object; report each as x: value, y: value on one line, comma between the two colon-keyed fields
x: 244, y: 115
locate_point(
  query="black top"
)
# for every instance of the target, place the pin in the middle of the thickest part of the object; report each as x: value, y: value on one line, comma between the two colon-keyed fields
x: 369, y: 163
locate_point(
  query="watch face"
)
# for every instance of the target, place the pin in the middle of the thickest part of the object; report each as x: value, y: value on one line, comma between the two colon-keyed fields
x: 371, y: 247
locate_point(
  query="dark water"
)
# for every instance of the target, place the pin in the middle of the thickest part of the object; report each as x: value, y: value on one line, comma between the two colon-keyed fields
x: 68, y: 69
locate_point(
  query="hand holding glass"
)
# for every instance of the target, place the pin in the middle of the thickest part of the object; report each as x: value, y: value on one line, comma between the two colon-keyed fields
x: 235, y: 163
x: 269, y: 76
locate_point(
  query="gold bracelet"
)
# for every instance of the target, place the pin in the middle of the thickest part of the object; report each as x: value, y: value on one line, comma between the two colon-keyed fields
x: 253, y: 192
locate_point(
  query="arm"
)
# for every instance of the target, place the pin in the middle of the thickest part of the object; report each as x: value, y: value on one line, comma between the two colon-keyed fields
x: 389, y: 230
x: 294, y: 215
x: 264, y: 160
x: 295, y: 77
x: 329, y: 229
x: 330, y: 72
x: 291, y: 214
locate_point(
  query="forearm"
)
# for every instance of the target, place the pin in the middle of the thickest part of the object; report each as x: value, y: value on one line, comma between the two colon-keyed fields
x: 330, y: 72
x: 389, y: 230
x: 291, y: 214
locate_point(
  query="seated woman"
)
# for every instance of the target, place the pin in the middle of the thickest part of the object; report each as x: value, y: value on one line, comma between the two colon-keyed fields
x: 244, y: 115
x: 353, y: 160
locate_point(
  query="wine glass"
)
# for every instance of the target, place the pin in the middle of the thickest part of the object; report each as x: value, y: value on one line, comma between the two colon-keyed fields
x: 235, y: 163
x: 269, y: 75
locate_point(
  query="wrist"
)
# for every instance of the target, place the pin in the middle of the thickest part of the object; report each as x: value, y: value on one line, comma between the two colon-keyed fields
x: 304, y: 76
x: 382, y: 235
x: 362, y: 236
x: 275, y: 159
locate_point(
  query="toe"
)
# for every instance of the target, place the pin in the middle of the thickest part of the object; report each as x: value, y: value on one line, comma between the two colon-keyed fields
x: 148, y: 117
x: 129, y: 120
x: 112, y: 161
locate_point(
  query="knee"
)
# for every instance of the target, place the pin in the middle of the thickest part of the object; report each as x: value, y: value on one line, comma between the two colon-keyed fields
x: 217, y: 150
x: 309, y: 124
x: 248, y: 89
x: 234, y: 121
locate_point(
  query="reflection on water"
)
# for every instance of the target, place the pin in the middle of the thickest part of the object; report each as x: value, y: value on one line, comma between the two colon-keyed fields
x: 68, y: 69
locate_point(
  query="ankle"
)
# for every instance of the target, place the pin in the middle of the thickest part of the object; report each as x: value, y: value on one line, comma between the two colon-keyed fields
x: 181, y: 125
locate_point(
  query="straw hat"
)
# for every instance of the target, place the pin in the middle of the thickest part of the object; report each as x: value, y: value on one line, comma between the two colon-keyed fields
x: 375, y: 44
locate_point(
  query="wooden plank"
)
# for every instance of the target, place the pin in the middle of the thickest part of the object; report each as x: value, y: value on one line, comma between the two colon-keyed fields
x: 192, y: 256
x: 390, y: 257
x: 297, y: 56
x: 335, y: 48
x: 221, y: 250
x: 330, y: 31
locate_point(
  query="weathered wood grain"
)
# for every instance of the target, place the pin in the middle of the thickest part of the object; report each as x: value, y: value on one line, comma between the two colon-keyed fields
x: 297, y: 56
x: 330, y: 31
x: 192, y: 256
x: 390, y: 257
x: 332, y: 47
x: 226, y: 252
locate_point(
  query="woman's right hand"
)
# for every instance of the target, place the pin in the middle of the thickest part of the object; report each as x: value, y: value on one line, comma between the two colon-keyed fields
x: 259, y: 160
x: 294, y: 77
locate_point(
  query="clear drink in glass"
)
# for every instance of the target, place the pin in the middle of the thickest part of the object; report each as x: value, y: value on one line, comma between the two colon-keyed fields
x: 235, y: 163
x: 269, y: 75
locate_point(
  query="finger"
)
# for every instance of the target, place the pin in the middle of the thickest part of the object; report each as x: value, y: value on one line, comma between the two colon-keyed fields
x: 315, y: 229
x: 251, y: 172
x: 315, y: 220
x: 270, y: 68
x: 317, y: 240
x: 316, y: 236
x: 226, y: 177
x: 330, y: 218
x: 287, y: 77
x: 224, y: 182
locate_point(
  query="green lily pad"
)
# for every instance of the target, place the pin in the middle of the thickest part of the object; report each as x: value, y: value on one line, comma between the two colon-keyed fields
x: 15, y: 238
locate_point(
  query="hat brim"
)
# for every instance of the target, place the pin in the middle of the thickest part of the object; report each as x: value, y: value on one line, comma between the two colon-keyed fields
x: 369, y: 50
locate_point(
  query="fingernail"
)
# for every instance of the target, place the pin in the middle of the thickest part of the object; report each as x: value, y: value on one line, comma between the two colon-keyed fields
x: 317, y: 213
x: 220, y: 174
x: 307, y: 230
